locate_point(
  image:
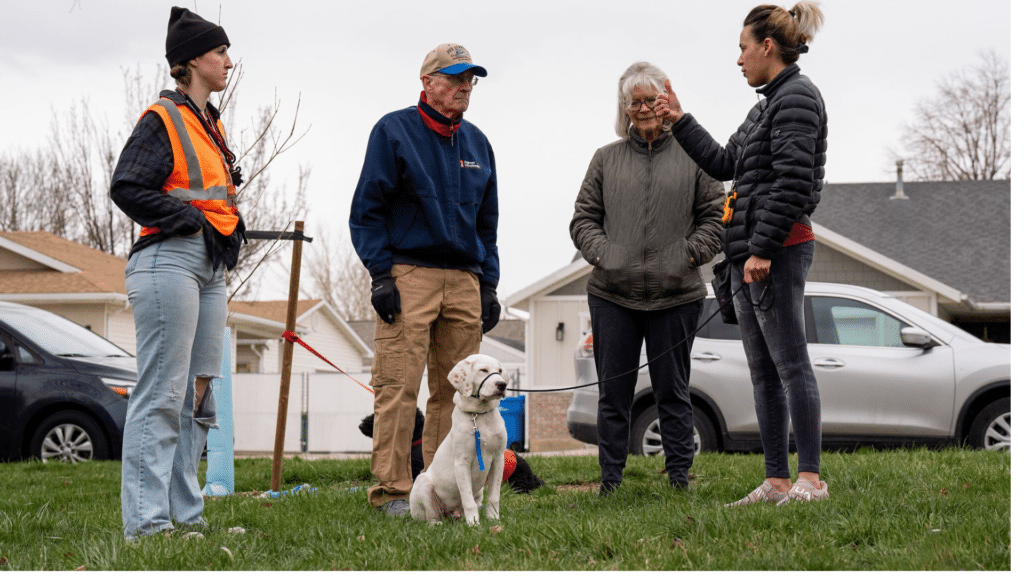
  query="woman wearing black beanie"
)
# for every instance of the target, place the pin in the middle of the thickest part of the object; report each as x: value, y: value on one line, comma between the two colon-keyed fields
x: 175, y: 178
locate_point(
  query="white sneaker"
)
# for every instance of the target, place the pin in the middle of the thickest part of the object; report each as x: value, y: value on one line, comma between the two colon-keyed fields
x: 804, y: 491
x: 763, y: 493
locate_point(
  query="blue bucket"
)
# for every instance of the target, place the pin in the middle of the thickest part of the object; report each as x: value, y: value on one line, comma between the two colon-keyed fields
x: 512, y: 411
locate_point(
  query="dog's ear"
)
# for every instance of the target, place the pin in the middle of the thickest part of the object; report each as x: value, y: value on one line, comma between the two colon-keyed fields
x: 460, y: 376
x: 505, y: 375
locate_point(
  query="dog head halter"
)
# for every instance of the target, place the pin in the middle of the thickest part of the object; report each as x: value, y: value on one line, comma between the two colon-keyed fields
x: 476, y: 394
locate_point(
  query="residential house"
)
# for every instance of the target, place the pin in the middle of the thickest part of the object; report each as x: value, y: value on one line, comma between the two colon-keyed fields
x: 81, y: 284
x: 86, y: 286
x: 260, y: 347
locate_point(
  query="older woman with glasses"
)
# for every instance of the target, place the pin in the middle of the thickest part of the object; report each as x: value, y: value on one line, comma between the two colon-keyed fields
x: 647, y: 218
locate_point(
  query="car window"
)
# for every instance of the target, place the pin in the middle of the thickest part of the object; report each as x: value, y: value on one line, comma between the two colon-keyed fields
x: 61, y: 337
x: 853, y: 323
x: 25, y: 356
x: 715, y: 328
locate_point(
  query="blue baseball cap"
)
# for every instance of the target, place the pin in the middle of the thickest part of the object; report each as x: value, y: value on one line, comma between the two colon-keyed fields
x: 450, y: 59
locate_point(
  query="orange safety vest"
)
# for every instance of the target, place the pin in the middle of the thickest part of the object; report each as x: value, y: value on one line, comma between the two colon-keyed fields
x: 201, y: 175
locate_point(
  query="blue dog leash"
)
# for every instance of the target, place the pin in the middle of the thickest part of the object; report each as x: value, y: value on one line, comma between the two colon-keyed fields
x: 479, y: 452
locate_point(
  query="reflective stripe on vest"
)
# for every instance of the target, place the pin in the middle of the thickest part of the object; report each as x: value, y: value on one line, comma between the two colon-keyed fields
x: 200, y: 176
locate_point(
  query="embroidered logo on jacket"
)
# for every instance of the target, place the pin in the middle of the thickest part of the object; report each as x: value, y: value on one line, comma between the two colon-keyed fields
x: 469, y: 164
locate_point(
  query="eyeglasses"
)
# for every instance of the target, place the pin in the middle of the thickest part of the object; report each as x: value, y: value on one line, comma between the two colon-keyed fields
x: 464, y: 78
x: 637, y: 104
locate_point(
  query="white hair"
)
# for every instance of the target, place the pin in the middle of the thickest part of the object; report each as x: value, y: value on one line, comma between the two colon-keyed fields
x: 638, y: 75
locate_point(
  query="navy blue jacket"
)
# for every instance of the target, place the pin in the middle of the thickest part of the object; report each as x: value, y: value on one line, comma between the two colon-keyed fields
x: 776, y: 161
x: 425, y: 198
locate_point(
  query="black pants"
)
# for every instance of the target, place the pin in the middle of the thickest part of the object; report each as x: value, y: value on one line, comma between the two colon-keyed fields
x: 619, y: 333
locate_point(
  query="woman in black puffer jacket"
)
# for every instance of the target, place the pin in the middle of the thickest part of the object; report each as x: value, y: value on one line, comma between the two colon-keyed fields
x: 776, y: 161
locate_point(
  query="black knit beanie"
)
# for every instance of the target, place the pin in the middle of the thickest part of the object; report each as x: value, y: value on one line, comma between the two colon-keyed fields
x: 189, y: 36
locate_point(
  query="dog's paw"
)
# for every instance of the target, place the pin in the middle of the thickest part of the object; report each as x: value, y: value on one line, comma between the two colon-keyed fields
x: 492, y: 514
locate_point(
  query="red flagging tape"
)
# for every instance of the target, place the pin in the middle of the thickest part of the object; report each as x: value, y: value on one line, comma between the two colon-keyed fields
x: 294, y: 338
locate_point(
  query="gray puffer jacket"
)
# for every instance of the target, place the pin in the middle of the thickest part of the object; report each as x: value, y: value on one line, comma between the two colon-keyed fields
x: 777, y: 158
x: 647, y: 218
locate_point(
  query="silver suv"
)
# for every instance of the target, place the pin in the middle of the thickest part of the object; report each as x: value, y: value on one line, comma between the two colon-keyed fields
x: 888, y: 374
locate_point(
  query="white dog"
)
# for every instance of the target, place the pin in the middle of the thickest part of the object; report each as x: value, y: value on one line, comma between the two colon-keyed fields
x: 453, y: 485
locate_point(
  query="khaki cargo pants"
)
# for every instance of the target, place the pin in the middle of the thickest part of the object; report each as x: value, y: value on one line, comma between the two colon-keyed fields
x: 439, y: 322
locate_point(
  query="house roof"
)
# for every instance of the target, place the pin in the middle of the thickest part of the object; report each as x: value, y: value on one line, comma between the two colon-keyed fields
x: 949, y: 237
x: 510, y: 332
x: 575, y: 269
x: 42, y: 264
x: 277, y: 311
x: 365, y: 329
x: 957, y: 233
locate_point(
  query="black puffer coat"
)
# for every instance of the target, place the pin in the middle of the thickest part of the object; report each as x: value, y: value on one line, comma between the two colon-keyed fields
x: 776, y: 161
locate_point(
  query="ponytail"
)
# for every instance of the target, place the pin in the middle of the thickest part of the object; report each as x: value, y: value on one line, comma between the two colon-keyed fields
x: 790, y: 30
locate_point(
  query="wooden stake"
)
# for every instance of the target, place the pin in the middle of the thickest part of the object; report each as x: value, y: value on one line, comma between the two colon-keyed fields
x: 286, y: 363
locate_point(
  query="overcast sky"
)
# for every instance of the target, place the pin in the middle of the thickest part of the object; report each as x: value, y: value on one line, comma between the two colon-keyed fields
x: 547, y: 104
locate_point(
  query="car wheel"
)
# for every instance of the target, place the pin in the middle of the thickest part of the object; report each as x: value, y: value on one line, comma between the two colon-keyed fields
x: 704, y: 438
x: 991, y: 428
x: 69, y: 436
x: 645, y: 437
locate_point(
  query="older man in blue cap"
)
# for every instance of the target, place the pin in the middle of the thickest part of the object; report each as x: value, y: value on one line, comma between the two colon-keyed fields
x: 424, y: 222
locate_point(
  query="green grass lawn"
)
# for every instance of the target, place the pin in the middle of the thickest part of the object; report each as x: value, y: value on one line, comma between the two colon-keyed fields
x: 889, y: 510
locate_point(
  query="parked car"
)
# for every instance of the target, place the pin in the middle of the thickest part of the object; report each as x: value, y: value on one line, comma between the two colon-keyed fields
x: 888, y: 374
x: 63, y: 388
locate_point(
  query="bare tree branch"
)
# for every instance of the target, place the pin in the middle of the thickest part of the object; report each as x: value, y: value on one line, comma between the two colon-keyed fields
x: 963, y: 133
x: 73, y: 169
x: 340, y: 279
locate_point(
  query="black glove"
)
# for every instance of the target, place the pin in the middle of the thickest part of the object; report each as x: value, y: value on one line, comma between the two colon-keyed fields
x: 490, y: 308
x: 384, y: 297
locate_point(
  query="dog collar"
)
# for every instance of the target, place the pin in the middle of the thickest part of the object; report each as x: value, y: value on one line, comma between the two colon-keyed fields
x: 482, y: 382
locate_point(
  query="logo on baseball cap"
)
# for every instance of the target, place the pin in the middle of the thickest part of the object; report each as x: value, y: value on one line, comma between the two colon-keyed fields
x: 450, y: 59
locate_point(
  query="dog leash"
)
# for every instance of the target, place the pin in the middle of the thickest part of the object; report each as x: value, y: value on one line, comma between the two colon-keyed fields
x: 649, y: 360
x: 294, y: 338
x: 479, y: 452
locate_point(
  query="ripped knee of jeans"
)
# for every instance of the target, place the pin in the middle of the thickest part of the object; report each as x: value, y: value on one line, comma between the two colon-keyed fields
x: 204, y: 407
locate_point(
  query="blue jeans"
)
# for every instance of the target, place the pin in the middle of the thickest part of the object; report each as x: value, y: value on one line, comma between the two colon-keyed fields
x: 619, y: 333
x: 180, y: 306
x: 780, y: 368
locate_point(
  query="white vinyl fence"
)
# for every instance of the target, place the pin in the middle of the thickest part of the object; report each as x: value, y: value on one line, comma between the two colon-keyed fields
x: 332, y: 403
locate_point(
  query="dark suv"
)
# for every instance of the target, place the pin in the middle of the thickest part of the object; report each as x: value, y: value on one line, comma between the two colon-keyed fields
x: 63, y: 389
